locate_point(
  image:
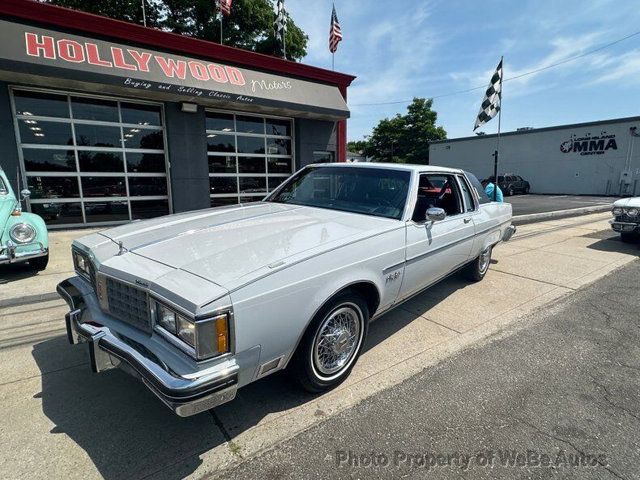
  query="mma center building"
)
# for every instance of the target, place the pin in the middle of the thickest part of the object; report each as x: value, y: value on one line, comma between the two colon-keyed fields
x: 593, y: 158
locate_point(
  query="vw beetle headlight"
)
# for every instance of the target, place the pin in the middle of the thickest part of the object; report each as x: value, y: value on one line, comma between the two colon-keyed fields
x: 632, y: 212
x: 617, y: 211
x: 22, y: 233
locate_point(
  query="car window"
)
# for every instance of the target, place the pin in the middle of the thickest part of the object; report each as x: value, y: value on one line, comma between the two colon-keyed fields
x: 481, y: 195
x: 381, y: 192
x: 3, y: 187
x: 439, y: 191
x: 470, y: 205
x: 519, y: 178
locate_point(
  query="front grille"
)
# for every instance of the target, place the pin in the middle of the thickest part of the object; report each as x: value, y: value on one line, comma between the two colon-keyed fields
x: 626, y: 218
x: 128, y: 304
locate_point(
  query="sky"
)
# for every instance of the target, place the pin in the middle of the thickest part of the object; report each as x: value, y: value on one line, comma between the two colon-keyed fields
x: 426, y: 48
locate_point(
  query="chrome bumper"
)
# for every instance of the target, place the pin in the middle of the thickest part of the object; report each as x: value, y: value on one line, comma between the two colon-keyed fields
x: 508, y: 233
x: 8, y: 253
x: 185, y: 396
x: 623, y: 227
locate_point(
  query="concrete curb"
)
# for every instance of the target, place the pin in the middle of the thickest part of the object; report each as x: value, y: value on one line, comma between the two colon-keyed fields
x: 572, y: 212
x: 27, y: 299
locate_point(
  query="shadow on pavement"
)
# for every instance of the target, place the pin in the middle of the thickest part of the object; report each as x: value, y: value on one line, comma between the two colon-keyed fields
x: 127, y: 432
x: 611, y: 242
x: 15, y: 271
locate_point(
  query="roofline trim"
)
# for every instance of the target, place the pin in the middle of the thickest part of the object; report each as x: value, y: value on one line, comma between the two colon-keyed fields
x: 89, y: 23
x: 543, y: 129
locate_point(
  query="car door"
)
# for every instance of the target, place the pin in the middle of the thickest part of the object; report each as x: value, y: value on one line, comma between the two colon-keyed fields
x: 434, y: 249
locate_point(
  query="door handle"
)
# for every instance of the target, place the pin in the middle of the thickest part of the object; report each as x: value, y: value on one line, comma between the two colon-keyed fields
x: 467, y: 220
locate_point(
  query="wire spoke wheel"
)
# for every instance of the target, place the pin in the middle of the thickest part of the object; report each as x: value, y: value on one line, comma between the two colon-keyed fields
x: 337, y: 340
x: 485, y: 259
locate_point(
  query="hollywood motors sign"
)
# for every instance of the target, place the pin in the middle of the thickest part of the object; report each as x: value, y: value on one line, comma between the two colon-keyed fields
x: 589, y: 145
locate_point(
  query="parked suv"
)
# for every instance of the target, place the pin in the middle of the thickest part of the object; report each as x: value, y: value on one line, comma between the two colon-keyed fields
x: 23, y: 235
x: 511, y: 184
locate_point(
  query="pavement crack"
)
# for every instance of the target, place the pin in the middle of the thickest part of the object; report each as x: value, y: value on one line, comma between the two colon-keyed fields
x: 569, y: 443
x: 233, y: 447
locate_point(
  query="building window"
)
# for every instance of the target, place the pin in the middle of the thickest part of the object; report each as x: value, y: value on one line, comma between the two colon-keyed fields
x: 91, y: 160
x: 249, y: 156
x: 324, y: 157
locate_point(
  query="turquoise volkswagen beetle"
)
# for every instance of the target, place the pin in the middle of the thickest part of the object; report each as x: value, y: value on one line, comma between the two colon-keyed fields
x: 23, y: 235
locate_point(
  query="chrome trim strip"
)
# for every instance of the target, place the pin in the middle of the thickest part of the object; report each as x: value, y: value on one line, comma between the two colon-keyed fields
x: 439, y: 249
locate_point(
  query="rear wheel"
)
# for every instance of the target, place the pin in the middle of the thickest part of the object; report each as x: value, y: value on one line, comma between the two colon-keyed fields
x: 511, y: 192
x: 477, y: 269
x: 332, y: 343
x: 39, y: 263
x: 526, y: 190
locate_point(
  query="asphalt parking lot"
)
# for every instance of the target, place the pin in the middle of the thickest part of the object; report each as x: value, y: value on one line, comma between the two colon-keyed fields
x: 532, y: 203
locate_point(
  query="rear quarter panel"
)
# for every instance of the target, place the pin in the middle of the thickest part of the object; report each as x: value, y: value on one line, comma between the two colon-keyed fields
x: 274, y: 311
x: 491, y: 221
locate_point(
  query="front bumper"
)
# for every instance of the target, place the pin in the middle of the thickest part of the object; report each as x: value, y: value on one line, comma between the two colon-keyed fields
x: 186, y: 395
x: 9, y: 253
x: 624, y: 227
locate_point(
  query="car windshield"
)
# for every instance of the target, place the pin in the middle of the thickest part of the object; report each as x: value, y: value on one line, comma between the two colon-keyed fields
x: 3, y: 188
x: 380, y: 192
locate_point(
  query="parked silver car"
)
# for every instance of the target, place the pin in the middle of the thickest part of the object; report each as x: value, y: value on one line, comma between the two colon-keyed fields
x: 202, y: 303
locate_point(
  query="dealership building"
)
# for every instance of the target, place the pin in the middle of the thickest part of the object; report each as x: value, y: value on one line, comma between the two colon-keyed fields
x: 107, y: 121
x: 595, y: 158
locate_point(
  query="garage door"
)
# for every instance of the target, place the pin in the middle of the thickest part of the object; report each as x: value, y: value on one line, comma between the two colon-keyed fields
x: 249, y: 155
x: 91, y: 160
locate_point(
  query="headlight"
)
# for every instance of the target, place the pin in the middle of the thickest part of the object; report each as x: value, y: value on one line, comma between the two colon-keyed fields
x: 22, y: 233
x: 83, y: 266
x: 206, y: 338
x: 632, y: 212
x: 617, y: 211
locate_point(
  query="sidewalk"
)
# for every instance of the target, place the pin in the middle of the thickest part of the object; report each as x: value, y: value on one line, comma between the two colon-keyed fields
x: 20, y: 286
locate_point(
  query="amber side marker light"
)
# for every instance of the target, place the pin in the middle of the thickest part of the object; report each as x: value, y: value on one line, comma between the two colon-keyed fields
x: 222, y: 334
x: 16, y: 213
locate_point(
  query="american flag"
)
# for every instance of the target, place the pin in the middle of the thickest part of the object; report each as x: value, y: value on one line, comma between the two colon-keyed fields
x: 492, y: 99
x: 335, y: 34
x: 281, y: 21
x: 225, y: 7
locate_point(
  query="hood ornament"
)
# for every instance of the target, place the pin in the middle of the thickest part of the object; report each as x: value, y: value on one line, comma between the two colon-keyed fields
x: 121, y: 248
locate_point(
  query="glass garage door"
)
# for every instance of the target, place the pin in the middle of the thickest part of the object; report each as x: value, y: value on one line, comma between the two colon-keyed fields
x: 248, y: 155
x: 91, y: 160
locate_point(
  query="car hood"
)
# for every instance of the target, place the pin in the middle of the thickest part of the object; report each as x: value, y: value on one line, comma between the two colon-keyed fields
x: 627, y: 202
x: 231, y: 246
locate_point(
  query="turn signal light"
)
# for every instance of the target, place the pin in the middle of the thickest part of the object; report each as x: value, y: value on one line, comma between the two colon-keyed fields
x: 222, y: 334
x: 16, y: 213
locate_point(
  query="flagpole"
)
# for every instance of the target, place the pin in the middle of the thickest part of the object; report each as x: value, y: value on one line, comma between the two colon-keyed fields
x: 333, y: 61
x: 497, y: 151
x: 144, y: 14
x: 221, y: 26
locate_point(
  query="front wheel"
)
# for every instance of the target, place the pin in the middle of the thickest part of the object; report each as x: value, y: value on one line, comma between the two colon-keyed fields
x: 332, y: 343
x: 511, y: 192
x: 477, y: 269
x: 629, y: 237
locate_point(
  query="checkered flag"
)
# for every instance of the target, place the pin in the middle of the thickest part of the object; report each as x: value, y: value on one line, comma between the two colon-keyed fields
x: 492, y: 99
x: 280, y: 23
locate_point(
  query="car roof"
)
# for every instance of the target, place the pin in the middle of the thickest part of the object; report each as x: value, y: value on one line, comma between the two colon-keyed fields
x: 391, y: 166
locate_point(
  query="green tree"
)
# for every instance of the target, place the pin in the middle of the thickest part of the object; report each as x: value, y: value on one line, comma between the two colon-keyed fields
x: 250, y: 25
x: 357, y: 146
x: 406, y: 138
x: 126, y: 10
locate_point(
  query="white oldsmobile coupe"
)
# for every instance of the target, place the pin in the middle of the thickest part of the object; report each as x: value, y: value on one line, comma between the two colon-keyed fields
x: 199, y: 304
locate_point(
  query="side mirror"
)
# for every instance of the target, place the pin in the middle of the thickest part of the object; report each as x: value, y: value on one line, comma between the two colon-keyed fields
x: 435, y: 214
x: 25, y: 194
